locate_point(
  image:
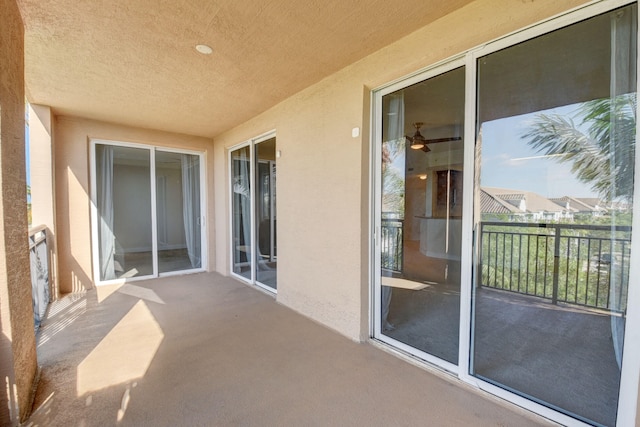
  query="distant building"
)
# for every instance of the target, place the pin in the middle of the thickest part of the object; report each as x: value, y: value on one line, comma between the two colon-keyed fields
x: 522, y: 205
x: 620, y: 205
x: 583, y: 206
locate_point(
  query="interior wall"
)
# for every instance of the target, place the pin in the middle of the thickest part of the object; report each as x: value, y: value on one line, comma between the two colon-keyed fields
x: 323, y: 173
x: 132, y: 221
x: 173, y: 209
x: 132, y: 207
x: 18, y: 362
x: 41, y: 170
x: 72, y: 180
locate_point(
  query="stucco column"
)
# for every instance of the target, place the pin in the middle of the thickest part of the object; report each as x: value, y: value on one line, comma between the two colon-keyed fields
x: 18, y: 364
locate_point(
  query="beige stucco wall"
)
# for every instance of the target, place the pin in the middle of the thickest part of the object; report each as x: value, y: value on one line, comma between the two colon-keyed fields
x: 323, y: 173
x: 41, y: 151
x: 72, y: 180
x: 18, y: 364
x: 41, y: 166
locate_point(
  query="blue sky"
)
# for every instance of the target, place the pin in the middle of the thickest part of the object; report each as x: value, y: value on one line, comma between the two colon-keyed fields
x: 509, y: 162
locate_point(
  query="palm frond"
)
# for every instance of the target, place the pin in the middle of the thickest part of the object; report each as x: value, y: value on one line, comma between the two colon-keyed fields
x: 600, y: 149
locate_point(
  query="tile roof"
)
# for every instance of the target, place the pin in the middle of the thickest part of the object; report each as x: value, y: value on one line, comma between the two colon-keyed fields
x: 533, y: 202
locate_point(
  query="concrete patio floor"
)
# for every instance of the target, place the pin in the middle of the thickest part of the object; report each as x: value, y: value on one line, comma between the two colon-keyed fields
x: 205, y: 350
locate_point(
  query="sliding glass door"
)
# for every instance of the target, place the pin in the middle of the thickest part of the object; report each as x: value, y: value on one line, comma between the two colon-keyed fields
x: 265, y: 213
x: 241, y: 219
x: 253, y: 216
x: 420, y: 214
x: 555, y: 188
x: 147, y: 216
x: 503, y: 253
x: 123, y: 191
x: 179, y: 220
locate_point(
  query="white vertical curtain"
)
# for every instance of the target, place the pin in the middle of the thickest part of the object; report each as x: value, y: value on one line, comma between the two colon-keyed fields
x: 191, y: 207
x: 392, y: 138
x: 395, y: 126
x: 622, y: 93
x: 104, y: 166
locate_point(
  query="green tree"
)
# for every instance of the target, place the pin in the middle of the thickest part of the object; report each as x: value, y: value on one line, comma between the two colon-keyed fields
x: 393, y: 185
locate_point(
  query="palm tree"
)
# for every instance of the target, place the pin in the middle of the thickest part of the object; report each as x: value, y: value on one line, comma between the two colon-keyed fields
x: 599, y: 142
x: 392, y: 181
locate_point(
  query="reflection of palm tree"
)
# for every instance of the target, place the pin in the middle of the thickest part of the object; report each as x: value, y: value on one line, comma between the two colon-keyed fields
x: 392, y: 181
x: 241, y: 186
x: 600, y: 147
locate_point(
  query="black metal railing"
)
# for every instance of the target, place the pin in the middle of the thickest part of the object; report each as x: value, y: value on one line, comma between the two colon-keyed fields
x: 39, y: 255
x: 587, y: 265
x: 391, y: 244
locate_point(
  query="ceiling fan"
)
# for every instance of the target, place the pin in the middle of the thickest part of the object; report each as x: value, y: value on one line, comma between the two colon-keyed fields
x: 419, y: 142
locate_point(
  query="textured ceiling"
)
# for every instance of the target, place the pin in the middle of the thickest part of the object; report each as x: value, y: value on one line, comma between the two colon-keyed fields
x: 134, y: 62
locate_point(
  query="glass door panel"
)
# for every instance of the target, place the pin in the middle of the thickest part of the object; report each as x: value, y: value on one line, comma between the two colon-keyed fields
x: 420, y: 218
x: 556, y: 138
x: 265, y: 215
x: 123, y: 189
x: 241, y: 212
x: 178, y: 211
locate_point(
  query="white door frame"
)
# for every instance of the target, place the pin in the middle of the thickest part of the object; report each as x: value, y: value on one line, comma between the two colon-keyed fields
x: 230, y: 151
x: 377, y: 136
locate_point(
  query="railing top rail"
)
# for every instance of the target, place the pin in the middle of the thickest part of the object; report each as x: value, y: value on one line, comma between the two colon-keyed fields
x: 37, y: 235
x: 551, y: 225
x: 36, y: 242
x: 37, y: 229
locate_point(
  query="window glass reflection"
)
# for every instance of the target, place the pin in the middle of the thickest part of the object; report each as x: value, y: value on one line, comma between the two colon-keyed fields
x: 556, y: 144
x: 422, y: 159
